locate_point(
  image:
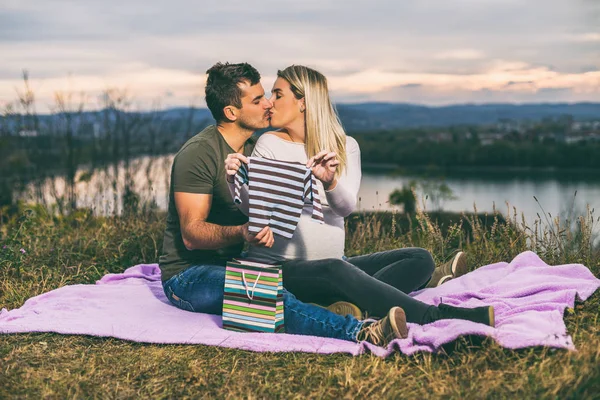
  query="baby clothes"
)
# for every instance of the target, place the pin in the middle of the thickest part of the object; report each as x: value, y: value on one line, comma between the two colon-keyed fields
x: 277, y: 191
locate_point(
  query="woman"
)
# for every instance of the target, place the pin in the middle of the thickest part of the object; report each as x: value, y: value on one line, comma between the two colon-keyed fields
x: 314, y: 266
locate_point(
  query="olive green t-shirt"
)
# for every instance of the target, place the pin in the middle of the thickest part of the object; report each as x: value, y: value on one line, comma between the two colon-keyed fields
x: 199, y: 167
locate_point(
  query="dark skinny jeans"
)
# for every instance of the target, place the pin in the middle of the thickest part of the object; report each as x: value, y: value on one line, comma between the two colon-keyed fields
x: 374, y: 282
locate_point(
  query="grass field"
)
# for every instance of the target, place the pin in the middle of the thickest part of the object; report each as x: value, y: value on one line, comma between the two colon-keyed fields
x: 39, y: 252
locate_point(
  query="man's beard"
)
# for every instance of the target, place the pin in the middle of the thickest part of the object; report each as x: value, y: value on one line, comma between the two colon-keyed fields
x: 253, y: 125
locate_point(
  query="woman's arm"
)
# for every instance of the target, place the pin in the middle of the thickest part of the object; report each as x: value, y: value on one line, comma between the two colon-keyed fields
x: 343, y: 197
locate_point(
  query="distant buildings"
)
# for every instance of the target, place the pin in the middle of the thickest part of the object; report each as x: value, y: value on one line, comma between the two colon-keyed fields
x: 515, y: 131
x: 587, y: 137
x: 28, y: 133
x: 485, y: 139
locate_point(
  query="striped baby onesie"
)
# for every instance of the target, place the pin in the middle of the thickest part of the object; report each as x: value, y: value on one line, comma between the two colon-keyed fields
x: 277, y: 191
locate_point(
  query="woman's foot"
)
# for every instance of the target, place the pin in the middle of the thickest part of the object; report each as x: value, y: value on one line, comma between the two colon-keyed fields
x: 382, y: 332
x: 482, y: 315
x: 452, y: 269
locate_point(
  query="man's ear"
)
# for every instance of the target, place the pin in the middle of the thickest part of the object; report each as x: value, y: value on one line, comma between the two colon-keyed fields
x: 231, y: 113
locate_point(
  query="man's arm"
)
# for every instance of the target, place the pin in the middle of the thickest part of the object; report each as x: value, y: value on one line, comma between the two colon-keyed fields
x: 193, y: 210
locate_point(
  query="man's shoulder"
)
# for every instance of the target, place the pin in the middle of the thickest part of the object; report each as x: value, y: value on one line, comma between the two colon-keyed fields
x: 201, y: 145
x: 207, y: 135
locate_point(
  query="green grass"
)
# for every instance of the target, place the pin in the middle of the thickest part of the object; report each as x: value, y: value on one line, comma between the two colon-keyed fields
x: 81, y: 248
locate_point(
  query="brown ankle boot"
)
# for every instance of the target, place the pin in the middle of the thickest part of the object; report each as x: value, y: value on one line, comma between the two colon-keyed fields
x: 452, y: 269
x: 382, y: 332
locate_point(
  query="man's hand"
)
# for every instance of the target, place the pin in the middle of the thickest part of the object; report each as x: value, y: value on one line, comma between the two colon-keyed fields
x: 323, y: 167
x: 262, y: 238
x: 233, y: 162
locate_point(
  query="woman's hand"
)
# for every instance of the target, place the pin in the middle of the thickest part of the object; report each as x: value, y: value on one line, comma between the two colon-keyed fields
x: 233, y: 162
x: 323, y: 167
x: 264, y: 238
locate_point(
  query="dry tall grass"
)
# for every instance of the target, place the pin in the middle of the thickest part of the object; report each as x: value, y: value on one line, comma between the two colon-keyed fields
x: 80, y: 248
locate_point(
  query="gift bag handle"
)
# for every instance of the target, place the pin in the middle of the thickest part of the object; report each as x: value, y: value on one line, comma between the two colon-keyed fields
x: 246, y: 285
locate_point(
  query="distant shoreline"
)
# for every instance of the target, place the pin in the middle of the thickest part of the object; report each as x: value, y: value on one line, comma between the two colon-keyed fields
x: 482, y: 169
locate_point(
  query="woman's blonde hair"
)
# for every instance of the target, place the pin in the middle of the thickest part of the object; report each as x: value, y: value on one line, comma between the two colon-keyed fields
x: 323, y: 128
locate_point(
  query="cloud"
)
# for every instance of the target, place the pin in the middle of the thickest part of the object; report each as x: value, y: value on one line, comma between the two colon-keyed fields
x: 520, y: 86
x: 411, y: 85
x: 434, y: 96
x: 506, y: 80
x: 460, y: 54
x: 143, y: 86
x: 589, y: 68
x: 503, y: 80
x: 364, y: 48
x: 586, y: 37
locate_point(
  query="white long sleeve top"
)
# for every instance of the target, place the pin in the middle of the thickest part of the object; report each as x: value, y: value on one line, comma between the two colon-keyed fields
x: 311, y: 241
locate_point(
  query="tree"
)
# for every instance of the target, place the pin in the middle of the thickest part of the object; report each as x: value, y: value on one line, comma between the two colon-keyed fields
x: 405, y: 197
x: 438, y: 192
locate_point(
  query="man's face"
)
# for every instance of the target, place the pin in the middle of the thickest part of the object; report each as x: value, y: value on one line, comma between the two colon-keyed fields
x: 254, y: 113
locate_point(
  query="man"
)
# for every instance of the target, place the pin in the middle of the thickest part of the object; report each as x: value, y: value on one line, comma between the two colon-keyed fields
x: 205, y: 228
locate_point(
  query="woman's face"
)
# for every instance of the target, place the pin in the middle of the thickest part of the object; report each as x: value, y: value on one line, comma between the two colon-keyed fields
x: 286, y: 108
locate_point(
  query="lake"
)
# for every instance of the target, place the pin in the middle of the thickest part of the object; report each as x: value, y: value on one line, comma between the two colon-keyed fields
x: 102, y: 189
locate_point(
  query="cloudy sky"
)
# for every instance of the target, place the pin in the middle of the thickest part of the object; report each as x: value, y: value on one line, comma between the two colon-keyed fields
x: 429, y: 51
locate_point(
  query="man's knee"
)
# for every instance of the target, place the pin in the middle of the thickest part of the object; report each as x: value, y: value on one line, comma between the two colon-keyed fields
x: 203, y: 274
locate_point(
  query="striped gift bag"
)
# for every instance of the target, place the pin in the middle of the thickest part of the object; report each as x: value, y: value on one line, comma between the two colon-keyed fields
x: 253, y: 297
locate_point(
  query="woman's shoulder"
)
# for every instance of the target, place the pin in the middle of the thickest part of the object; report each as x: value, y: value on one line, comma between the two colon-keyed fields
x: 271, y: 137
x: 351, y: 145
x: 271, y: 145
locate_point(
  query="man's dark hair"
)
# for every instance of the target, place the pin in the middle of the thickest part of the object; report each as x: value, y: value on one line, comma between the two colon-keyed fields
x: 222, y: 86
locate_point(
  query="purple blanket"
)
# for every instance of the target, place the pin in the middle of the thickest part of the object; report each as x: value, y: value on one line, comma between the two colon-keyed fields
x: 528, y: 295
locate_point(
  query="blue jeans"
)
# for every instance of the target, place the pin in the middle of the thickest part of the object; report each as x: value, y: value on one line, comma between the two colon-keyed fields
x: 199, y: 288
